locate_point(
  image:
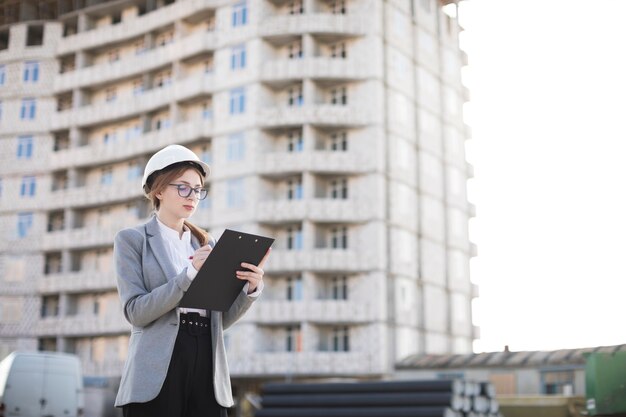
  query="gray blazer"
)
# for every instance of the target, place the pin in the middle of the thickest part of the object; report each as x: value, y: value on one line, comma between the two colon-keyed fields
x: 150, y: 289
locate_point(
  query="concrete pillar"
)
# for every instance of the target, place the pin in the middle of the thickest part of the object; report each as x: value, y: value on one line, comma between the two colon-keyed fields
x: 308, y: 138
x: 308, y: 186
x: 308, y: 92
x: 84, y: 23
x: 308, y: 46
x: 308, y: 235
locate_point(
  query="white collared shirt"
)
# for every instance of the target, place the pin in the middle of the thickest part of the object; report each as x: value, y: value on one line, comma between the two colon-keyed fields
x: 179, y: 249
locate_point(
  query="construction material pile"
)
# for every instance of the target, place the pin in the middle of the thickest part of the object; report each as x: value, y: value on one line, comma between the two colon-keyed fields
x: 422, y: 398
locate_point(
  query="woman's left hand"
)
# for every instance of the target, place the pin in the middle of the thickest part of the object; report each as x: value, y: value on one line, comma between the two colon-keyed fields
x: 255, y: 276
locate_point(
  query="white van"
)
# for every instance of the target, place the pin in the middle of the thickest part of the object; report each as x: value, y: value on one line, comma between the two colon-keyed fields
x: 41, y: 384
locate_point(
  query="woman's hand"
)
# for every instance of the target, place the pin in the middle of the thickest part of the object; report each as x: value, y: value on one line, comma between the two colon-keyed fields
x: 255, y: 276
x: 199, y: 256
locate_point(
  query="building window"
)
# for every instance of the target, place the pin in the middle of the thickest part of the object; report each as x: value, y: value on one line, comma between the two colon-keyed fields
x: 293, y: 339
x: 28, y: 186
x: 294, y: 189
x: 163, y: 79
x: 338, y: 6
x: 339, y: 96
x: 106, y: 176
x: 140, y: 47
x: 31, y: 71
x: 109, y: 137
x: 294, y: 238
x: 339, y: 141
x: 296, y: 7
x: 162, y: 123
x: 557, y: 382
x: 336, y: 339
x: 236, y: 147
x: 240, y: 14
x: 237, y: 100
x: 113, y: 55
x: 24, y: 223
x: 110, y: 95
x: 294, y: 96
x: 24, y: 147
x: 339, y: 288
x: 339, y: 189
x: 205, y: 155
x: 28, y: 110
x: 50, y: 306
x: 295, y: 142
x: 133, y: 132
x: 339, y: 237
x: 165, y: 38
x: 238, y: 57
x: 338, y: 50
x: 207, y: 111
x: 294, y: 50
x: 235, y: 193
x: 137, y: 87
x: 294, y: 288
x: 134, y: 171
x: 3, y: 70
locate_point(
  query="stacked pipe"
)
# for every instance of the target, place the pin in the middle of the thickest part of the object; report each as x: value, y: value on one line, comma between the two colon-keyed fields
x: 421, y: 398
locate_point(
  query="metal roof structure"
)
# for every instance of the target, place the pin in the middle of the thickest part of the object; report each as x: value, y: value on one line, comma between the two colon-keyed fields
x: 503, y: 358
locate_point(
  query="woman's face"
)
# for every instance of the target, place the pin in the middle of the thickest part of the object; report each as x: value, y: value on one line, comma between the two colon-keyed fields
x: 173, y: 204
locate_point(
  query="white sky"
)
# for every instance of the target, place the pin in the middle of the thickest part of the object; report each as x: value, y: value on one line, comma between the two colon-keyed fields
x: 547, y: 83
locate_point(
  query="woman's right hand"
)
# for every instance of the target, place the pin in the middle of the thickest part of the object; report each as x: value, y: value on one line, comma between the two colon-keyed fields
x: 199, y: 256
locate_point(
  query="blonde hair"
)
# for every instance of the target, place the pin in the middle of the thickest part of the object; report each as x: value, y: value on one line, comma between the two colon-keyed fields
x: 158, y: 181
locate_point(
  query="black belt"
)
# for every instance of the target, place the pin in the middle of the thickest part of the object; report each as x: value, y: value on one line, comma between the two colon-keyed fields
x: 194, y: 323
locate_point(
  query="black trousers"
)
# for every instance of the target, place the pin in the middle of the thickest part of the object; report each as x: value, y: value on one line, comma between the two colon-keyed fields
x: 188, y: 387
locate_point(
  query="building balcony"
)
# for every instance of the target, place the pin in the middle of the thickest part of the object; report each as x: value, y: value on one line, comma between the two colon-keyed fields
x: 318, y: 209
x: 137, y: 65
x: 147, y: 143
x: 306, y: 363
x: 316, y: 68
x: 326, y: 114
x: 85, y: 236
x: 314, y: 311
x: 318, y: 23
x: 82, y: 325
x: 93, y: 195
x: 72, y: 282
x: 133, y: 28
x: 327, y: 260
x: 330, y: 162
x: 125, y: 107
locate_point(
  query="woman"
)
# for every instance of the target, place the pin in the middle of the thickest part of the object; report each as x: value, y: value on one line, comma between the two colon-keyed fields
x: 176, y: 364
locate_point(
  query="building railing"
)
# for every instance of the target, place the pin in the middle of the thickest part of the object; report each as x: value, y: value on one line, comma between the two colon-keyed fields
x: 125, y: 107
x: 134, y: 27
x: 306, y: 363
x: 328, y: 23
x: 146, y: 143
x: 340, y: 210
x: 137, y: 65
x: 314, y: 67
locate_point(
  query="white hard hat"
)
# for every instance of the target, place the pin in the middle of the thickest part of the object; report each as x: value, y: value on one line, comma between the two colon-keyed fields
x: 169, y: 155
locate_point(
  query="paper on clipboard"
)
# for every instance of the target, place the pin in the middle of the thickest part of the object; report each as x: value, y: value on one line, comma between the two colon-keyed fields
x: 216, y: 285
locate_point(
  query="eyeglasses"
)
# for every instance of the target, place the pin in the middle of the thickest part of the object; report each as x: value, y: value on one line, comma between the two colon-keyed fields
x: 185, y: 190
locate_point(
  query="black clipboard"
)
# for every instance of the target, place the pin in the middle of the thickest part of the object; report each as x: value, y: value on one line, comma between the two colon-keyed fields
x: 216, y: 285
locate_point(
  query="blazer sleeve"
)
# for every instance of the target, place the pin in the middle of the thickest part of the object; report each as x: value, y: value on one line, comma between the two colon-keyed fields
x: 238, y: 309
x: 142, y: 307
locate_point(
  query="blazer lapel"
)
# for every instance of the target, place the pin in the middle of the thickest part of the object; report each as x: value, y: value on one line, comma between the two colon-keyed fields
x: 157, y: 244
